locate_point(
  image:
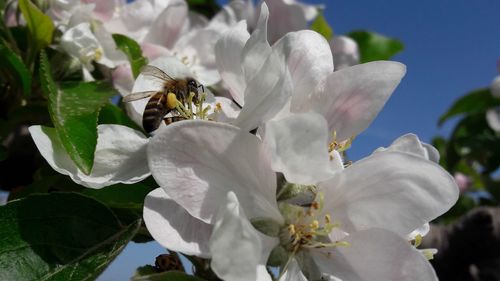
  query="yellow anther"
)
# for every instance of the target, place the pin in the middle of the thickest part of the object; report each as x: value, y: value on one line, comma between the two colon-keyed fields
x: 291, y: 229
x: 185, y: 60
x: 315, y: 205
x: 171, y: 100
x: 314, y: 225
x: 98, y: 54
x: 418, y: 240
x: 328, y: 219
x: 218, y: 107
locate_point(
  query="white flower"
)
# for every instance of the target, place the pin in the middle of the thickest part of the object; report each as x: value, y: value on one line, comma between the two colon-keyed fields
x: 89, y: 45
x: 493, y: 115
x: 68, y: 13
x: 371, y: 206
x: 254, y: 72
x: 286, y: 16
x: 120, y: 155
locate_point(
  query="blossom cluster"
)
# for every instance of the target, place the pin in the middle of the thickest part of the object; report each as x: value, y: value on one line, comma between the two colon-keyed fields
x: 259, y: 178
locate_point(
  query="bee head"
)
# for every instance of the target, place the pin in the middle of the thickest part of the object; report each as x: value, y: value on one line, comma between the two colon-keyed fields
x: 194, y: 87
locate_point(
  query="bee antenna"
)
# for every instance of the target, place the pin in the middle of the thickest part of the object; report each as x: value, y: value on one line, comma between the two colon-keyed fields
x: 202, y: 87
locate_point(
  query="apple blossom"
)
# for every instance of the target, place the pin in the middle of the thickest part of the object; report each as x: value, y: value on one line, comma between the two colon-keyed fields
x: 355, y: 229
x: 349, y: 99
x: 89, y: 44
x: 120, y: 154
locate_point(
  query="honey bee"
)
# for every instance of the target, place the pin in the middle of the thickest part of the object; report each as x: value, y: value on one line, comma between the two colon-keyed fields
x: 160, y: 104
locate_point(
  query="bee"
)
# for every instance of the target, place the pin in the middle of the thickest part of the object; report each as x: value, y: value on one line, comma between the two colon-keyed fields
x: 160, y: 104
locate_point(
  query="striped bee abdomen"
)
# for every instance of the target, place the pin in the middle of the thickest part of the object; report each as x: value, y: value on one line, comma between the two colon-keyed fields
x: 154, y: 112
x: 172, y: 119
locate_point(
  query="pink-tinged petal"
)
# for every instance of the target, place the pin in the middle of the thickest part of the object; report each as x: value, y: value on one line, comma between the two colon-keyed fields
x: 345, y: 52
x: 410, y: 143
x: 391, y: 190
x: 167, y: 27
x: 198, y: 162
x: 228, y: 52
x: 104, y: 9
x: 309, y: 61
x: 173, y: 227
x: 353, y: 96
x: 298, y: 147
x: 286, y: 16
x: 153, y: 51
x: 235, y: 244
x: 375, y: 254
x: 266, y: 94
x: 120, y: 156
x: 123, y: 79
x: 257, y: 49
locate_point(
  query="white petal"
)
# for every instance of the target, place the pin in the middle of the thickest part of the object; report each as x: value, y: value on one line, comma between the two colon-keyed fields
x: 109, y: 46
x: 120, y: 156
x: 173, y: 227
x: 228, y: 52
x: 80, y: 42
x: 493, y: 118
x: 375, y: 254
x: 353, y: 96
x: 345, y: 52
x: 293, y: 273
x: 298, y: 146
x: 199, y: 162
x: 235, y: 244
x: 392, y: 190
x: 410, y: 143
x: 422, y: 231
x: 229, y: 110
x: 257, y: 49
x: 266, y: 94
x: 167, y: 27
x: 309, y: 61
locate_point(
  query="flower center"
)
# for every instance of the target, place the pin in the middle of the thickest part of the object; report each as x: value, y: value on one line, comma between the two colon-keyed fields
x: 193, y: 108
x: 310, y: 229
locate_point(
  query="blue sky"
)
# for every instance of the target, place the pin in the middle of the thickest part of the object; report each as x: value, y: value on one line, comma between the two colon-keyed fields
x: 451, y: 48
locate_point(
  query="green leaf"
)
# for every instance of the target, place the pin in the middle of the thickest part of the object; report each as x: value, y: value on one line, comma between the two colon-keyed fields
x: 125, y: 196
x: 477, y: 101
x: 166, y: 276
x: 39, y: 24
x: 374, y: 46
x: 320, y: 25
x: 133, y: 52
x: 112, y: 114
x: 74, y: 110
x: 60, y: 236
x: 16, y: 66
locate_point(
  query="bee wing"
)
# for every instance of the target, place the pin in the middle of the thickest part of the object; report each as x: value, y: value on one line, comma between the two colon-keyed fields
x: 150, y: 70
x: 138, y: 96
